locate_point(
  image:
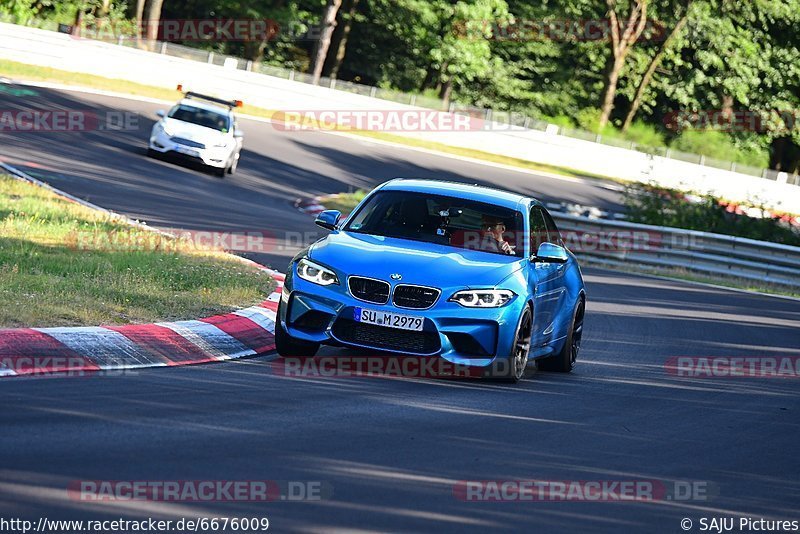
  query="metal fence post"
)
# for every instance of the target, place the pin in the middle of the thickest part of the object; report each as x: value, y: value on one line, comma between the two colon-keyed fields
x: 373, y: 91
x: 164, y: 47
x: 210, y: 57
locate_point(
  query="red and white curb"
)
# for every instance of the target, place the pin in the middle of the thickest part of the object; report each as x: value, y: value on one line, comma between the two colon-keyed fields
x: 241, y: 333
x: 245, y: 332
x: 312, y: 206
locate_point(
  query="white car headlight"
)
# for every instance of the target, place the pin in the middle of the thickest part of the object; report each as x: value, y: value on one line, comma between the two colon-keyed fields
x: 315, y: 273
x: 163, y: 128
x: 483, y: 298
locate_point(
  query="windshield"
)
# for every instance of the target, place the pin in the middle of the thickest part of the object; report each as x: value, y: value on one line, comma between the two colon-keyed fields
x: 455, y: 222
x: 201, y: 117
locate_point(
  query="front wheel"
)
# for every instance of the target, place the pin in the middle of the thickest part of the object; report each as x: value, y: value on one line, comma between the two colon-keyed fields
x: 515, y: 367
x: 564, y: 361
x: 234, y: 164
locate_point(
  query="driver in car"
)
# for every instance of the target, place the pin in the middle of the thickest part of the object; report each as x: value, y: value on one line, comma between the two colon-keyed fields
x: 494, y: 230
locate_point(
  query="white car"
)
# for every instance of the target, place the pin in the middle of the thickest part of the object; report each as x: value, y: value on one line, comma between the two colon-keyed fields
x: 202, y: 128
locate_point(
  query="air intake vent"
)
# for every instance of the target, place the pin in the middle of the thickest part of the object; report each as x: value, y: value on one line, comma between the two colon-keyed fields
x: 383, y: 338
x: 187, y: 142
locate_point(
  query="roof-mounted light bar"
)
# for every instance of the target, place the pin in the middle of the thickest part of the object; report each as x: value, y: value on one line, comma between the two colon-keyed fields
x: 200, y: 96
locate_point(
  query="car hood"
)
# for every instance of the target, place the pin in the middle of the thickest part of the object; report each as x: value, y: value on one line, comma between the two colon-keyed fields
x: 194, y: 132
x: 418, y: 262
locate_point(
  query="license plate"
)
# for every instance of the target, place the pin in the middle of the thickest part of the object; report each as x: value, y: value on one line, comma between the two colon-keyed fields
x: 388, y: 319
x: 187, y: 151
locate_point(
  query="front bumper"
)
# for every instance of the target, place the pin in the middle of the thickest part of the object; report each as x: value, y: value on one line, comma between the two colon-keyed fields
x: 465, y: 336
x: 211, y: 156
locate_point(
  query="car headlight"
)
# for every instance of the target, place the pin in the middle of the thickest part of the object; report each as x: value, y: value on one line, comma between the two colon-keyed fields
x: 483, y: 298
x: 160, y: 126
x: 315, y: 273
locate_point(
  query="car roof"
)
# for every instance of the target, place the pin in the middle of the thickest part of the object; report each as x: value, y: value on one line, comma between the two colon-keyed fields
x: 475, y: 192
x: 197, y: 103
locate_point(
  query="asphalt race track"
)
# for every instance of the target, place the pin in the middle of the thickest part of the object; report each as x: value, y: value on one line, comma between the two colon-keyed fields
x: 392, y: 450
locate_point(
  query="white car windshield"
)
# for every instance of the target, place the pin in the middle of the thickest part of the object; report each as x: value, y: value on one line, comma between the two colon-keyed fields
x: 201, y: 117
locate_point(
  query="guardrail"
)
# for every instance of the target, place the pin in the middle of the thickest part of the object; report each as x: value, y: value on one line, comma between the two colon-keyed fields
x: 625, y: 243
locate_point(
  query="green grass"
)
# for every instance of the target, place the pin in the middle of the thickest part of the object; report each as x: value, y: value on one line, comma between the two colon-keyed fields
x: 23, y: 71
x: 344, y: 202
x: 62, y: 264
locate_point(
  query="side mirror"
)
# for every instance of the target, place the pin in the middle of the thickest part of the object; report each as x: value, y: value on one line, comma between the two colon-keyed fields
x: 238, y: 133
x: 161, y: 113
x: 328, y: 219
x: 551, y: 253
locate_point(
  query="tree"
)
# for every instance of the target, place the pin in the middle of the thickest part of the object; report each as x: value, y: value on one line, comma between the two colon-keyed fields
x: 321, y: 48
x: 623, y: 38
x: 340, y: 37
x: 652, y: 66
x: 138, y: 21
x: 153, y: 19
x: 463, y: 52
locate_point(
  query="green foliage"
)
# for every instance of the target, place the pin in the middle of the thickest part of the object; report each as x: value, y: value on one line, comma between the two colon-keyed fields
x: 718, y: 145
x: 652, y: 204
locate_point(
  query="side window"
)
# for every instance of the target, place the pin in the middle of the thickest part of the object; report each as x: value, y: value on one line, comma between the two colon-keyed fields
x: 538, y: 229
x: 552, y: 229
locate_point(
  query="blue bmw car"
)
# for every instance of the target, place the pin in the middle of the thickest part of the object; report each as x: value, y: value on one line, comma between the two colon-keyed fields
x: 474, y: 275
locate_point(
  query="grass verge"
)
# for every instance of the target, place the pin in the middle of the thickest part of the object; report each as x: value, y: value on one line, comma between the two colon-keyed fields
x: 25, y: 72
x: 344, y: 202
x: 62, y: 264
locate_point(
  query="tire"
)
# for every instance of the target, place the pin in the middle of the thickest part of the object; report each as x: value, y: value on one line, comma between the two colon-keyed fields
x: 234, y: 164
x: 515, y: 367
x: 564, y: 361
x: 221, y: 171
x: 152, y: 153
x: 289, y: 347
